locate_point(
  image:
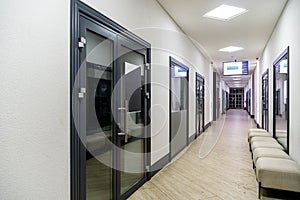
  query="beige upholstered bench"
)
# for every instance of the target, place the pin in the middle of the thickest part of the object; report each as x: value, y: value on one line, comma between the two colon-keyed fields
x: 266, y: 144
x: 253, y: 139
x: 257, y: 130
x: 261, y: 139
x: 277, y: 173
x: 258, y: 134
x: 270, y: 153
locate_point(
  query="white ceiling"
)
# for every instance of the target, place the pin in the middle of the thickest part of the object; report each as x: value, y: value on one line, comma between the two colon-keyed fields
x: 250, y: 30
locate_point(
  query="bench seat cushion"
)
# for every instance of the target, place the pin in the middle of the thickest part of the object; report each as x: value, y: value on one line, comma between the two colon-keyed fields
x: 253, y: 139
x: 262, y: 139
x: 269, y: 152
x: 266, y: 144
x: 258, y: 134
x: 257, y: 130
x: 278, y: 173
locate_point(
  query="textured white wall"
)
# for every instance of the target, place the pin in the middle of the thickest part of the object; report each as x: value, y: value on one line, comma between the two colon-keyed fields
x: 246, y: 88
x: 34, y: 117
x: 286, y: 34
x: 148, y: 20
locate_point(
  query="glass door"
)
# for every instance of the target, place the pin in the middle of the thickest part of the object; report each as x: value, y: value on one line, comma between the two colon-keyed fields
x: 132, y: 96
x: 178, y: 107
x: 199, y: 104
x: 113, y: 100
x: 265, y: 100
x: 96, y: 124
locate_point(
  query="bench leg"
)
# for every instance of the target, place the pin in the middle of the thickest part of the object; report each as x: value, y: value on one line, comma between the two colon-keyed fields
x: 259, y: 190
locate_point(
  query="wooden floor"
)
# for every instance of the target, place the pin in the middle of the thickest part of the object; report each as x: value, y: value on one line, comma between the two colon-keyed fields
x: 215, y: 166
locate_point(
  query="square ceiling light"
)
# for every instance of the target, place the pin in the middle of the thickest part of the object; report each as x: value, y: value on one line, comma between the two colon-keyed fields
x: 231, y: 49
x: 225, y: 12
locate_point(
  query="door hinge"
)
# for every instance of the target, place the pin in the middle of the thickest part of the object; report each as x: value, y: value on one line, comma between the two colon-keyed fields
x: 147, y: 168
x: 81, y: 42
x: 147, y: 66
x: 81, y: 93
x: 147, y: 94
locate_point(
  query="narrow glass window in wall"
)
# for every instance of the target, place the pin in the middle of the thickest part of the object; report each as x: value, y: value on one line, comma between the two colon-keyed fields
x: 179, y: 107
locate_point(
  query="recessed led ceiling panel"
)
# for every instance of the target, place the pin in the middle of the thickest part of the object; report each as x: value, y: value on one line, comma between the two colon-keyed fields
x: 231, y: 49
x: 225, y: 12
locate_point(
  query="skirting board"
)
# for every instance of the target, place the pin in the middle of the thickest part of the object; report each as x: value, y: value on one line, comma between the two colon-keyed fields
x: 207, y: 125
x: 257, y: 125
x: 192, y: 138
x: 156, y: 167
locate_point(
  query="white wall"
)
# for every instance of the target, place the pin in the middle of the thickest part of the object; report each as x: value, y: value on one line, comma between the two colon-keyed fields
x: 246, y: 88
x: 226, y: 88
x: 286, y: 34
x: 148, y: 20
x: 223, y: 100
x: 253, y: 101
x: 252, y: 92
x: 257, y: 94
x: 34, y: 117
x: 280, y: 87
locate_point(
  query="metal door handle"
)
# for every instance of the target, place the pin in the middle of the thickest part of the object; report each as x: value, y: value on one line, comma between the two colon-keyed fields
x: 125, y: 110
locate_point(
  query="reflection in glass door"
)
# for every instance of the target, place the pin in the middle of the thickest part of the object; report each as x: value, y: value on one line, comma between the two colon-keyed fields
x: 113, y: 102
x: 199, y: 104
x: 265, y: 100
x: 281, y: 99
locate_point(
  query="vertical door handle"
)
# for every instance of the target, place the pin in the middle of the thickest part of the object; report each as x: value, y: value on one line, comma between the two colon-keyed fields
x: 125, y: 110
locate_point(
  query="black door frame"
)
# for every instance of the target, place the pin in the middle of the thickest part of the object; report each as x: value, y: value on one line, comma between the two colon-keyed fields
x: 77, y: 176
x: 265, y: 100
x: 200, y: 78
x: 284, y: 54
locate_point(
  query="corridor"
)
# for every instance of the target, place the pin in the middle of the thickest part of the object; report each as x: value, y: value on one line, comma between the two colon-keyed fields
x: 225, y: 173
